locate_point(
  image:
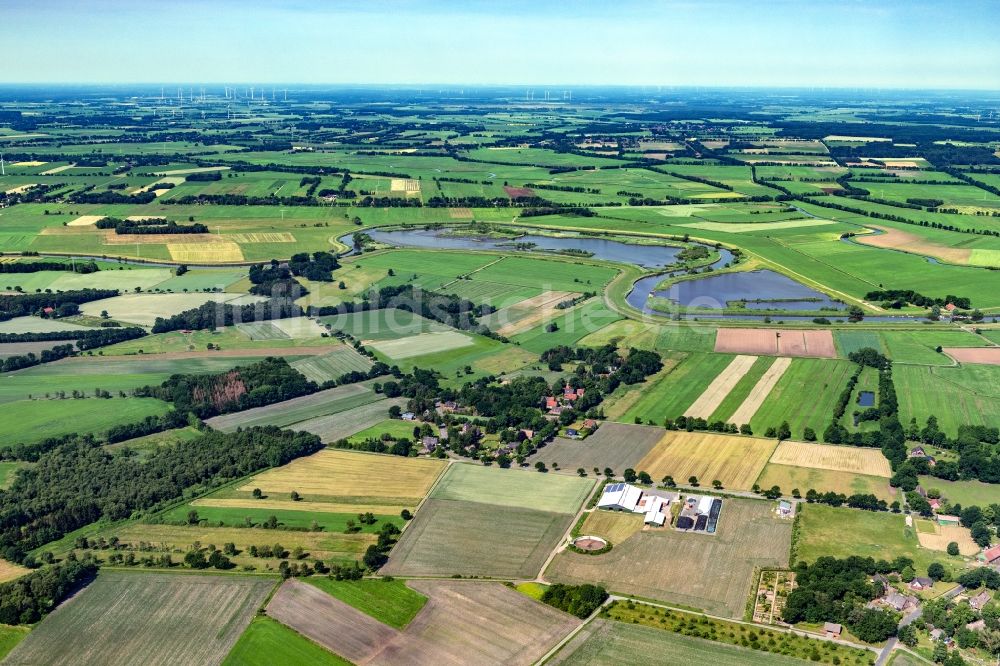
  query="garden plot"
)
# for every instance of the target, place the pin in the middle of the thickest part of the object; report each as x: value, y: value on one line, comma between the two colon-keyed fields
x: 852, y: 459
x: 419, y: 345
x: 774, y: 342
x: 124, y: 618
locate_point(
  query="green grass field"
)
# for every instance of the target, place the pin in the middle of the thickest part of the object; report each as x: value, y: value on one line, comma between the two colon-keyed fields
x: 840, y: 532
x: 741, y: 391
x: 385, y: 324
x: 956, y: 396
x: 7, y: 470
x: 332, y: 365
x: 965, y: 493
x: 33, y: 420
x: 918, y: 347
x: 513, y: 488
x: 10, y: 637
x: 804, y: 396
x: 266, y: 642
x: 576, y: 324
x: 388, y: 601
x: 236, y: 517
x: 678, y: 389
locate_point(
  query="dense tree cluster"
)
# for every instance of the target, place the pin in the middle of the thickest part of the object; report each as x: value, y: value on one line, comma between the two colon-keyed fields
x: 263, y: 383
x: 19, y: 305
x: 578, y: 600
x: 82, y: 267
x: 897, y: 298
x: 80, y: 481
x: 33, y: 596
x: 832, y: 590
x: 153, y: 225
x: 212, y: 315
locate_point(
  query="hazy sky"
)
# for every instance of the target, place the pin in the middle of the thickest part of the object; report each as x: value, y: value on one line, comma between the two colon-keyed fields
x: 848, y: 43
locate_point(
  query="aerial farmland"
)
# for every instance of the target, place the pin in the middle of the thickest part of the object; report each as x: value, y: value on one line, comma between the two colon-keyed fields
x: 691, y: 358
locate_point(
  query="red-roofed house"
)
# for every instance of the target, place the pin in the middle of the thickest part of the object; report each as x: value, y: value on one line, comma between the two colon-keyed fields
x: 550, y: 403
x: 990, y: 555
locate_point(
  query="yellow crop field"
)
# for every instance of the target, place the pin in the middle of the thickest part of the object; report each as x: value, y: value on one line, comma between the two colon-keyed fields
x: 838, y: 458
x: 945, y: 534
x: 736, y: 461
x: 10, y: 571
x: 615, y: 526
x: 85, y: 221
x: 262, y: 237
x: 334, y: 474
x: 788, y: 477
x: 205, y: 253
x: 407, y: 185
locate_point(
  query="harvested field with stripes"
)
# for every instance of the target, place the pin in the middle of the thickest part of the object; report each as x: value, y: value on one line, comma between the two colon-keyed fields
x: 131, y: 618
x: 945, y: 534
x: 509, y: 627
x: 333, y: 475
x: 760, y: 391
x: 854, y: 459
x: 720, y: 387
x: 205, y: 253
x: 774, y: 342
x: 526, y: 514
x: 10, y: 571
x: 735, y: 460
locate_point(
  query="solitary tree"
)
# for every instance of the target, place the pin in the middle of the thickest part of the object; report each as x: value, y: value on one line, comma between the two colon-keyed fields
x: 693, y: 480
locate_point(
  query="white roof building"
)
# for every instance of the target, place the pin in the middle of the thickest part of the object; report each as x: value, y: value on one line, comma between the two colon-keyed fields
x: 654, y: 512
x: 620, y: 497
x: 705, y: 504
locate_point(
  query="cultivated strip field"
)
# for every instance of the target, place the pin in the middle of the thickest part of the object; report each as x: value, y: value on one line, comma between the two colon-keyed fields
x: 854, y: 459
x: 897, y: 239
x: 337, y: 426
x: 418, y: 345
x: 530, y: 312
x: 321, y: 403
x: 128, y: 618
x: 508, y: 627
x: 513, y: 488
x: 760, y: 391
x: 774, y: 342
x: 712, y: 572
x: 984, y: 355
x: 340, y: 361
x: 735, y: 460
x: 720, y: 387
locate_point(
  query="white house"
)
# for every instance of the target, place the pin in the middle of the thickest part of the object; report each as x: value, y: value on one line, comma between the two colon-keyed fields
x: 654, y: 512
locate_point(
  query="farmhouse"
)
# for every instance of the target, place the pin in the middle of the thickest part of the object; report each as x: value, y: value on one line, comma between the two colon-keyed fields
x: 832, y: 630
x: 626, y: 497
x: 921, y: 583
x: 430, y: 444
x: 785, y: 509
x: 899, y: 602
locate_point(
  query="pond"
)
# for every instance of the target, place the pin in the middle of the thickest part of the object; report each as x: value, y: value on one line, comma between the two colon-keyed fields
x: 866, y: 398
x: 644, y: 256
x: 763, y: 290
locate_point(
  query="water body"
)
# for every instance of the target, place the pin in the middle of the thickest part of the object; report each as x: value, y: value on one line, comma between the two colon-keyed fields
x: 866, y: 399
x: 778, y: 292
x: 644, y: 256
